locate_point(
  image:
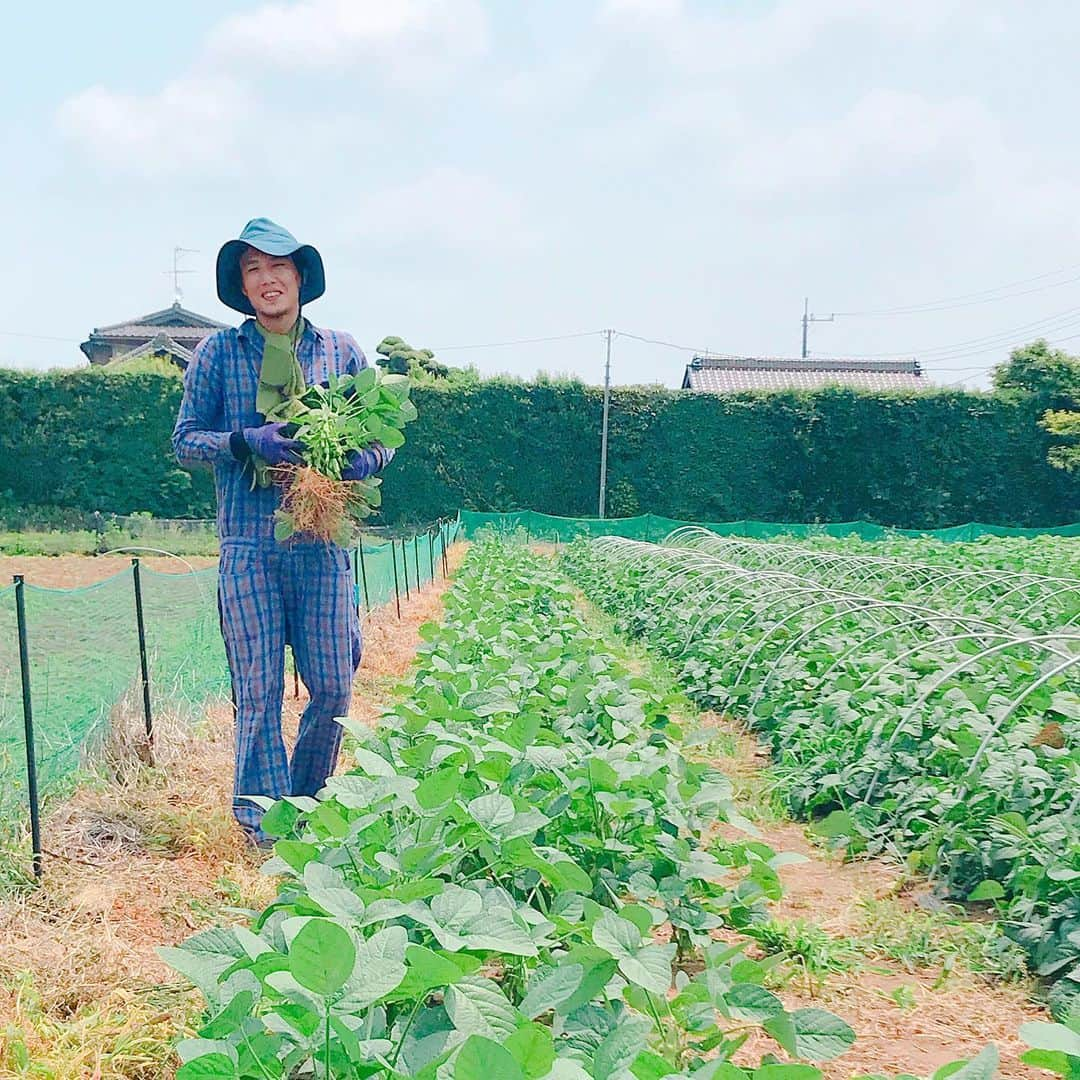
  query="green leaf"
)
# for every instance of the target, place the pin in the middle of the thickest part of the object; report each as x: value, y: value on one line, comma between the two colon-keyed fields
x: 550, y: 987
x: 811, y: 1033
x: 647, y: 966
x: 209, y: 1067
x: 296, y: 853
x: 1042, y: 1036
x: 229, y: 1019
x: 834, y: 826
x: 378, y: 969
x: 427, y: 970
x: 987, y: 890
x: 492, y: 810
x: 567, y: 876
x: 787, y: 1071
x: 1050, y: 1060
x: 326, y: 887
x: 322, y: 957
x: 481, y: 1058
x: 620, y: 1048
x: 438, y: 788
x: 650, y: 1066
x: 746, y: 1001
x: 280, y: 819
x: 478, y: 1007
x: 201, y: 969
x: 533, y: 1049
x: 638, y: 914
x: 616, y: 935
x: 981, y: 1067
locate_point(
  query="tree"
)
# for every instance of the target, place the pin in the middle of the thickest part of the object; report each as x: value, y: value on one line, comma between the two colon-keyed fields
x: 1052, y: 375
x: 400, y: 358
x: 1065, y: 423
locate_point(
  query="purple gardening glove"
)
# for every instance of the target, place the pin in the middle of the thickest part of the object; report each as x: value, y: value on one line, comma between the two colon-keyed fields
x: 360, y: 464
x: 268, y: 443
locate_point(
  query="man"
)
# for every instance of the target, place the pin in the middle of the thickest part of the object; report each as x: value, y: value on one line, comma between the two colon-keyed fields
x: 271, y: 594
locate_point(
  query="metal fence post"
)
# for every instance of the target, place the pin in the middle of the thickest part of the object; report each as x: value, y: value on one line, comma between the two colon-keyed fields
x: 431, y: 553
x: 28, y: 726
x: 363, y: 574
x: 416, y: 556
x: 445, y: 564
x: 397, y: 589
x: 356, y: 576
x: 405, y: 567
x: 140, y: 623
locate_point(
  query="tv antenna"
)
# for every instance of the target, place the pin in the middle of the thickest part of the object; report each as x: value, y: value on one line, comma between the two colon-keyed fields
x: 176, y: 271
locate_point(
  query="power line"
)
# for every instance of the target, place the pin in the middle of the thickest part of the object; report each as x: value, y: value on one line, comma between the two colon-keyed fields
x: 985, y: 296
x: 37, y: 337
x: 1059, y: 321
x: 518, y: 341
x: 671, y: 345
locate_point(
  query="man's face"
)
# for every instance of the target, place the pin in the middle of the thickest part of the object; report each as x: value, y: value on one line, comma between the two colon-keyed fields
x: 271, y: 283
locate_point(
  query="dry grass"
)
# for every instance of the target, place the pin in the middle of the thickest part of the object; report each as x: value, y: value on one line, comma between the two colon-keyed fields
x: 143, y: 860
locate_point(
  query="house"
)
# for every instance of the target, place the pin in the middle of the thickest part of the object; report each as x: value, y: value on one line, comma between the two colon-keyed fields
x: 173, y: 332
x: 733, y: 374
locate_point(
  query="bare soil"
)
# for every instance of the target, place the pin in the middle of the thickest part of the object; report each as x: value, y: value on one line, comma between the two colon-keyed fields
x: 942, y: 1018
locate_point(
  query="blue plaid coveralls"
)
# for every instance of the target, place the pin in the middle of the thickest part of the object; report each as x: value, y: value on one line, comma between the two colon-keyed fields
x: 271, y: 594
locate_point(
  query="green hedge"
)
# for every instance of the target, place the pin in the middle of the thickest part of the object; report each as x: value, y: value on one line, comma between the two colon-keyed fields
x: 92, y: 441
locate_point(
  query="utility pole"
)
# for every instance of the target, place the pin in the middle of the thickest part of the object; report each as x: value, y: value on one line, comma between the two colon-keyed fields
x: 604, y: 428
x: 807, y: 319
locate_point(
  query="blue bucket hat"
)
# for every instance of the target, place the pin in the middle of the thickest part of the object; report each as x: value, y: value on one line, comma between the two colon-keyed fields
x: 266, y: 236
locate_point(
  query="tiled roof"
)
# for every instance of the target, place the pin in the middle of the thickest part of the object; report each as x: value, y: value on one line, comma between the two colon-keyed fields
x: 730, y: 375
x: 122, y: 331
x: 160, y: 343
x: 177, y: 321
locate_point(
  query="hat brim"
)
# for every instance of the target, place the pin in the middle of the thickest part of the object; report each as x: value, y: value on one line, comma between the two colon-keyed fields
x: 230, y: 288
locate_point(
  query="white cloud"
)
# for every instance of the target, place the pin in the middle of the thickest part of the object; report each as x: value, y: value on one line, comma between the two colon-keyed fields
x: 460, y: 211
x: 407, y: 39
x: 633, y: 10
x: 712, y: 43
x: 194, y: 117
x: 185, y: 124
x: 886, y: 138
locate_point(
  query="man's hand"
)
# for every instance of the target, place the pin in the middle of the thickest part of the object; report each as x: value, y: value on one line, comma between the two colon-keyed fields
x: 360, y: 464
x: 274, y: 447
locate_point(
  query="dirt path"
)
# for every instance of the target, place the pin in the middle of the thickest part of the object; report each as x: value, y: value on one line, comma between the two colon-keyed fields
x: 909, y: 1015
x: 134, y: 865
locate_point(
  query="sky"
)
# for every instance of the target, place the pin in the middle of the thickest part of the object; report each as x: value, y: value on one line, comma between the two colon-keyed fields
x: 477, y: 173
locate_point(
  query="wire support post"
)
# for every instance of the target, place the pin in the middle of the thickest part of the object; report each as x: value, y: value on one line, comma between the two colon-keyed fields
x: 363, y: 575
x: 416, y: 557
x: 28, y: 727
x: 405, y: 568
x: 445, y: 562
x: 397, y: 587
x: 144, y: 665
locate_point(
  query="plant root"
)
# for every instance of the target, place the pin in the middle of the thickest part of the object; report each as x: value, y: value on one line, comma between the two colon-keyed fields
x: 316, y: 504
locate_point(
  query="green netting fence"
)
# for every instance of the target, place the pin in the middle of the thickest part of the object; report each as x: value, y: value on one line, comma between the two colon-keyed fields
x: 85, y: 661
x: 652, y: 528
